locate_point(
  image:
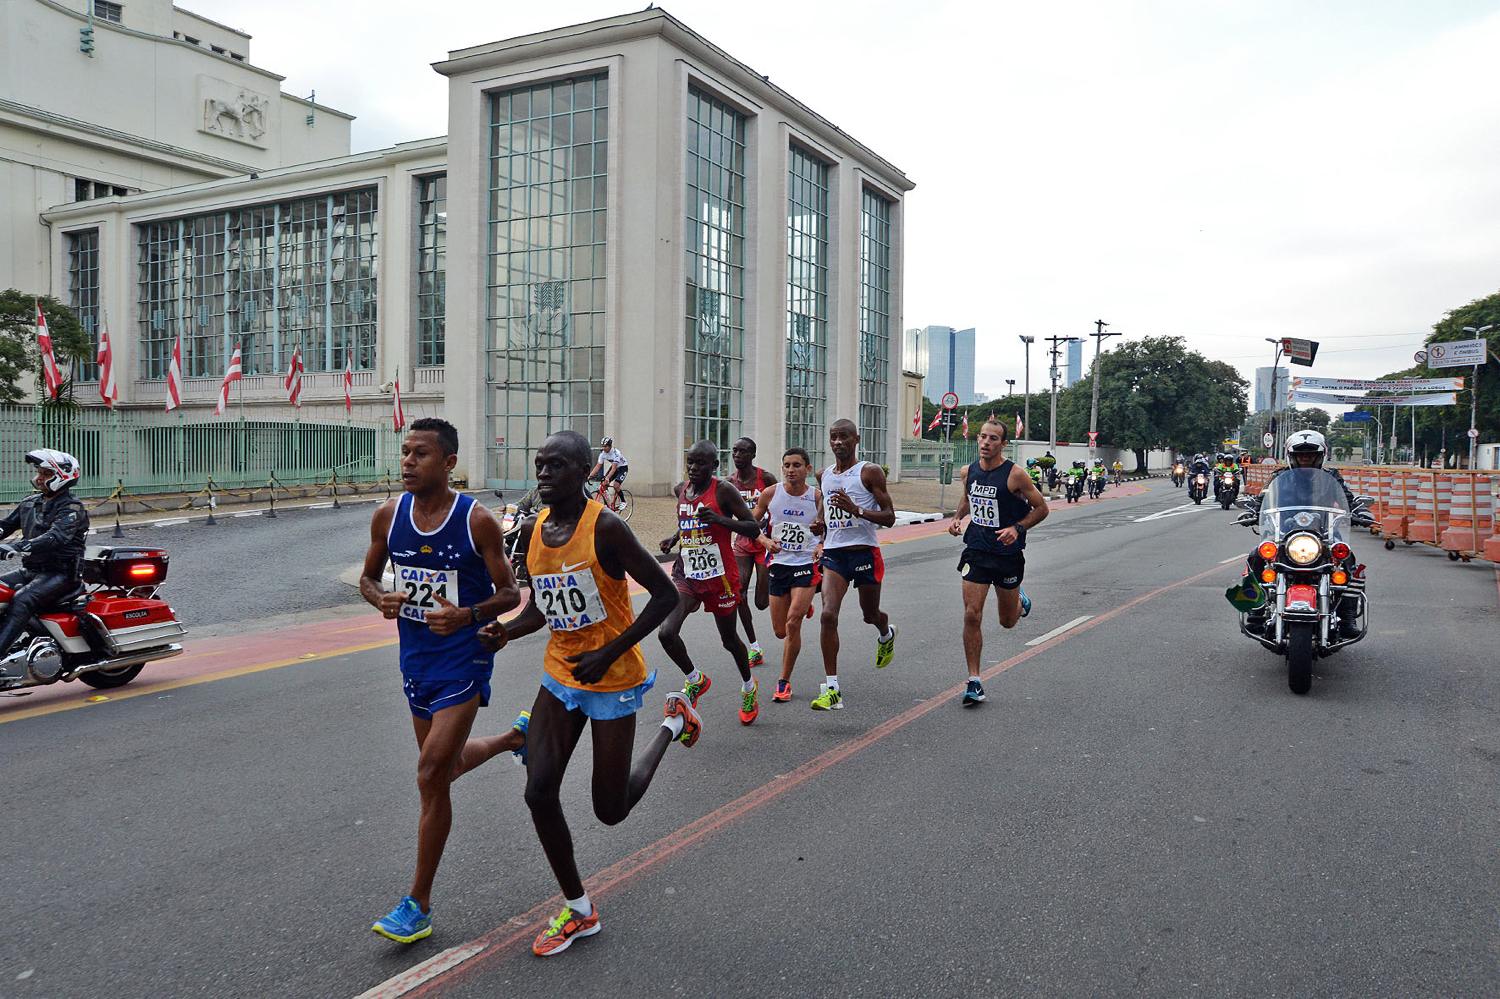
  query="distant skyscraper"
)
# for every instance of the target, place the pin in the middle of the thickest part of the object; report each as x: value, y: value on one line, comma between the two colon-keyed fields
x: 914, y: 352
x: 1264, y: 393
x: 948, y: 358
x: 1075, y: 364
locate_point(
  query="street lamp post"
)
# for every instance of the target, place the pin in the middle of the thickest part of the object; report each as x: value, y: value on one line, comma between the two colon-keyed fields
x: 1026, y: 404
x: 1275, y: 378
x: 1474, y: 395
x: 1098, y: 336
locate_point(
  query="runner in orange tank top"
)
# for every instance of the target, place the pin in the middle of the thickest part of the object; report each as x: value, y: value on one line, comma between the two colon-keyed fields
x: 581, y: 559
x: 709, y: 512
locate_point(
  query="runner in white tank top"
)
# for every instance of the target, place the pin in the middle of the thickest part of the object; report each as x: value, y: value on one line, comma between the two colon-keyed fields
x: 855, y: 502
x: 795, y: 510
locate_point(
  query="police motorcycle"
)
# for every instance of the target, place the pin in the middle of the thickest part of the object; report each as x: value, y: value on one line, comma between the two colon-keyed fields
x: 73, y: 612
x: 511, y: 516
x: 1098, y: 477
x: 1179, y: 474
x: 1198, y: 476
x: 1303, y: 596
x: 1227, y: 484
x: 1073, y: 482
x: 1035, y: 471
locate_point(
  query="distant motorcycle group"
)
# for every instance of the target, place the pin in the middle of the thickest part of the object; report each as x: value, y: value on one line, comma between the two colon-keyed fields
x: 1225, y: 477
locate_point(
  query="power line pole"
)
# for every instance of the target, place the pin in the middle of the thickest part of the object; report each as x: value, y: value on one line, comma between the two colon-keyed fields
x: 1054, y: 351
x: 1026, y: 404
x: 1098, y: 336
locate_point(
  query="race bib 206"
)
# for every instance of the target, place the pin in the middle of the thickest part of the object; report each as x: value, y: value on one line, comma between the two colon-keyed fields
x: 701, y: 559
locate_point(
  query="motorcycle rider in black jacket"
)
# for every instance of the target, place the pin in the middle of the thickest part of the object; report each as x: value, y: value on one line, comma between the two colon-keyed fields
x: 54, y: 529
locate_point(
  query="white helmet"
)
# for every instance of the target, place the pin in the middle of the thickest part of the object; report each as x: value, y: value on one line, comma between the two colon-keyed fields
x: 607, y: 442
x: 63, y: 466
x: 1307, y: 442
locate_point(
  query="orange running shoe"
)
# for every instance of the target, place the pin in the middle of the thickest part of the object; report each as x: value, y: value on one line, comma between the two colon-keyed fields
x: 697, y: 690
x: 750, y: 703
x: 783, y: 692
x: 679, y: 706
x: 562, y: 931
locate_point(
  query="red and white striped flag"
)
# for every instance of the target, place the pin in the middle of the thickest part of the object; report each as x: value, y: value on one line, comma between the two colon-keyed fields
x: 348, y: 383
x: 233, y: 373
x: 936, y: 419
x: 293, y: 381
x: 966, y: 424
x: 916, y: 423
x: 106, y: 358
x: 174, y: 376
x: 1020, y: 427
x: 50, y: 374
x: 398, y: 417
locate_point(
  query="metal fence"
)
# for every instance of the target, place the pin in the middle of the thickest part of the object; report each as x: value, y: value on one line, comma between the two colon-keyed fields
x: 151, y: 452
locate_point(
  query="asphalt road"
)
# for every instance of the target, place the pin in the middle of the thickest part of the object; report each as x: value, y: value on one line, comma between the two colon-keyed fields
x: 1141, y: 808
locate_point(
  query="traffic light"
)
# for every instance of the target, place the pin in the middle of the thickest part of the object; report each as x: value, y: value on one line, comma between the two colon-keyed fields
x: 86, y: 40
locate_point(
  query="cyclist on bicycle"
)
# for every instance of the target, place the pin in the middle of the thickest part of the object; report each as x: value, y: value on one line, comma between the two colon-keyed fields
x: 1119, y: 471
x: 610, y: 470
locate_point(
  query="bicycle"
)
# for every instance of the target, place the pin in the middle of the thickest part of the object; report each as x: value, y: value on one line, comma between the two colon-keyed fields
x: 624, y: 502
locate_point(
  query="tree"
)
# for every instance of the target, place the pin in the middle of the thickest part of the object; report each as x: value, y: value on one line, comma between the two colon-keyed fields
x: 1443, y: 428
x: 1156, y: 393
x: 19, y: 356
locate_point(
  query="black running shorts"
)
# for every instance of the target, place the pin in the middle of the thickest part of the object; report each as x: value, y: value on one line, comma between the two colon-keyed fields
x: 989, y: 569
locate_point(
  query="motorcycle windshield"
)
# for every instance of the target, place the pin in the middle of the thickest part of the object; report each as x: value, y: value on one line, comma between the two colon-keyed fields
x: 1304, y: 499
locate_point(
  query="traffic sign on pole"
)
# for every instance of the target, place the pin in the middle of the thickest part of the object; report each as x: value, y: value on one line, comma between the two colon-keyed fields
x: 1420, y: 357
x: 1473, y: 432
x: 1093, y: 438
x: 1456, y: 354
x: 1267, y: 439
x: 950, y: 400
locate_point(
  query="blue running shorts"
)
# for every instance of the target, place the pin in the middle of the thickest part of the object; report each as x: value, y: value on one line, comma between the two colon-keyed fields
x: 425, y: 697
x: 600, y: 705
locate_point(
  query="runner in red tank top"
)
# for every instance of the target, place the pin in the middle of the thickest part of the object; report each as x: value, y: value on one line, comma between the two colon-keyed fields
x: 749, y: 556
x: 708, y: 510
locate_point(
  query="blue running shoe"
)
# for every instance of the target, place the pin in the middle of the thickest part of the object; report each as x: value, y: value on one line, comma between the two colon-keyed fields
x: 407, y: 923
x: 1025, y: 604
x: 973, y: 693
x: 523, y: 721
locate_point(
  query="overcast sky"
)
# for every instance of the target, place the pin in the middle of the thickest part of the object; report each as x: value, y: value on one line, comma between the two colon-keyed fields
x: 1226, y: 170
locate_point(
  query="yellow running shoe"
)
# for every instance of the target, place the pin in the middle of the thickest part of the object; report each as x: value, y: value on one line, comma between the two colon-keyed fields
x: 885, y: 652
x: 829, y: 700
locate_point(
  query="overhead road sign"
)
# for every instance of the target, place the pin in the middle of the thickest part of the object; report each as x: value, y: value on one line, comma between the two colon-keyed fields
x: 1338, y: 398
x: 1456, y: 354
x: 1299, y: 351
x: 1385, y: 385
x: 1357, y: 417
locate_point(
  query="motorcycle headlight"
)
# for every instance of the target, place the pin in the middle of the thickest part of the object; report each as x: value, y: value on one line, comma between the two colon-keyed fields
x: 1303, y: 549
x: 1201, y: 480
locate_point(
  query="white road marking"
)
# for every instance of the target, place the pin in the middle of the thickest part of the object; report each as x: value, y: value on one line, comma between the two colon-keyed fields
x: 1232, y: 558
x: 419, y: 974
x: 1059, y: 630
x: 1175, y: 511
x: 249, y: 513
x: 172, y: 523
x: 320, y: 506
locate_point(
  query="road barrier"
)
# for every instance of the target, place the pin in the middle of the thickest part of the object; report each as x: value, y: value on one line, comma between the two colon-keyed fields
x: 1454, y: 510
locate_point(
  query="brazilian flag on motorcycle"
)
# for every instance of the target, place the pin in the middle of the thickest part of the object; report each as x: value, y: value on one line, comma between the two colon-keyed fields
x: 1246, y: 595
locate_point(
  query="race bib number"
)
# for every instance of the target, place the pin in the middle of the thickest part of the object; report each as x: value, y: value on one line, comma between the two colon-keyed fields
x: 569, y: 601
x: 701, y: 560
x: 984, y: 511
x: 839, y: 520
x: 423, y: 587
x: 793, y: 537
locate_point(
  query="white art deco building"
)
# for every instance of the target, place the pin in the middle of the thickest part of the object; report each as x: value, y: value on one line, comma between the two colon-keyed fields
x: 626, y: 230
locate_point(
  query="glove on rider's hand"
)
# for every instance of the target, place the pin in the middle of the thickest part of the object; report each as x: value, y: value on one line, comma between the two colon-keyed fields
x: 8, y: 551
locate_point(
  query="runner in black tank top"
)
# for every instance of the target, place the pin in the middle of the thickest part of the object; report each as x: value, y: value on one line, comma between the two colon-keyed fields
x: 1002, y: 503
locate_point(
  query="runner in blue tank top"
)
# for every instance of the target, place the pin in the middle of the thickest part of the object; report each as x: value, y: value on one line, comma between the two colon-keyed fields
x: 451, y: 576
x: 1002, y: 503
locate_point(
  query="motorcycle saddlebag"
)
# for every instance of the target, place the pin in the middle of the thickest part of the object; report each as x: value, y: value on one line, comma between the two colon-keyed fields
x: 136, y: 624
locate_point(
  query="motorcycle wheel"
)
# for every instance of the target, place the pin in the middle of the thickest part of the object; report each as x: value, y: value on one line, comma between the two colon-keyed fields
x: 108, y: 679
x: 1198, y: 500
x: 1225, y: 503
x: 1299, y: 657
